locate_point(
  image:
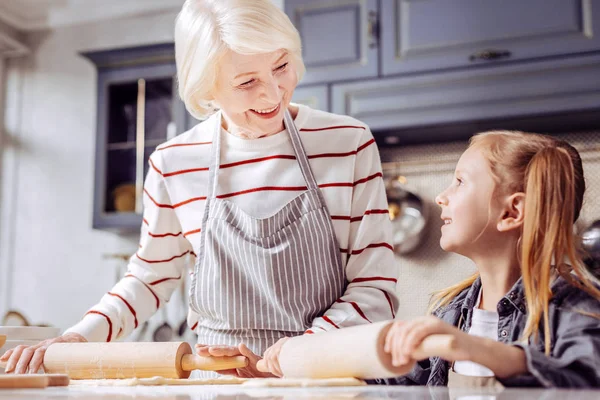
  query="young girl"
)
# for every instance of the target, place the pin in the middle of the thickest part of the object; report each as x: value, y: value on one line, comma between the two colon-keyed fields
x: 530, y: 316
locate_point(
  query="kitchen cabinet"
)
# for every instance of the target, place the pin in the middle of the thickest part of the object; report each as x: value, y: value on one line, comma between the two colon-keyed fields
x: 316, y: 97
x: 339, y: 38
x: 429, y: 35
x: 137, y: 109
x: 452, y: 105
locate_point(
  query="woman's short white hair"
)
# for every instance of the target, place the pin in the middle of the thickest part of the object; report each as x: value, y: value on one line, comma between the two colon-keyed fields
x: 206, y: 29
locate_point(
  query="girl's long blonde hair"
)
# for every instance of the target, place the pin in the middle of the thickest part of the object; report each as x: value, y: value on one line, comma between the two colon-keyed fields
x: 550, y: 173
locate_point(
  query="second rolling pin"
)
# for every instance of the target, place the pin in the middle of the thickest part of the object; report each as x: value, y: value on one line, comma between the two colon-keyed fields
x: 354, y: 352
x: 131, y: 360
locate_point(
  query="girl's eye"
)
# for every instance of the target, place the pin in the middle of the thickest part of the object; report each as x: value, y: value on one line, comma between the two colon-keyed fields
x: 459, y: 182
x: 281, y: 67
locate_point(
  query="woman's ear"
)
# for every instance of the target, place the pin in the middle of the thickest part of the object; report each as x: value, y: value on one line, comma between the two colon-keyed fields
x: 512, y: 213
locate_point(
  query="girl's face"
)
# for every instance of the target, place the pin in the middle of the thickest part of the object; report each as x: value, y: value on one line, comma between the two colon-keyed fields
x: 253, y: 92
x: 469, y: 212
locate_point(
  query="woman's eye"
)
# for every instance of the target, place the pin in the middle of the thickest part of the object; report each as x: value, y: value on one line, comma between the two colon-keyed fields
x: 247, y: 83
x: 281, y: 67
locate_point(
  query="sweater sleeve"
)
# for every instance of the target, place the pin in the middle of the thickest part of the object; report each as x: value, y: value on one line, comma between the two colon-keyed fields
x: 371, y: 269
x: 153, y: 272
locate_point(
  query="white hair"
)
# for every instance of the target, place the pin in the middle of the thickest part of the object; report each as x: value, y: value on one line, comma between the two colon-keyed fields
x: 206, y: 29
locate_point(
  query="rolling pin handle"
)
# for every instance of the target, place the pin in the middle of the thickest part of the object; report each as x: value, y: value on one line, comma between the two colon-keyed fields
x: 190, y: 362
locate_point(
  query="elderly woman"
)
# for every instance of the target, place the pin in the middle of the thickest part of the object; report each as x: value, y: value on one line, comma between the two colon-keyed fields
x: 281, y: 207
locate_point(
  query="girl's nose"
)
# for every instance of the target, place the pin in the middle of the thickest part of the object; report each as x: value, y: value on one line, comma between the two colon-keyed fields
x: 441, y: 199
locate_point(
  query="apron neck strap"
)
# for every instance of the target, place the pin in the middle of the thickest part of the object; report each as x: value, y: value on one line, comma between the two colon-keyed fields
x: 215, y: 159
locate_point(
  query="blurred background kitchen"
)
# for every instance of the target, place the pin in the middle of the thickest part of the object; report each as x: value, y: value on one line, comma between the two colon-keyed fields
x: 87, y: 91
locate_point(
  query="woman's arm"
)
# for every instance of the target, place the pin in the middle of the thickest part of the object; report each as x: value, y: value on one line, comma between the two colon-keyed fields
x: 153, y: 272
x: 371, y: 269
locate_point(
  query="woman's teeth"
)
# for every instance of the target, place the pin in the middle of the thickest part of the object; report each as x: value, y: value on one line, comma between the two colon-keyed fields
x: 266, y: 111
x: 447, y: 221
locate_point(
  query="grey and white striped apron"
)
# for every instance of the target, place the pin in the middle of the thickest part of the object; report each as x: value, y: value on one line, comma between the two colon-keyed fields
x: 258, y: 280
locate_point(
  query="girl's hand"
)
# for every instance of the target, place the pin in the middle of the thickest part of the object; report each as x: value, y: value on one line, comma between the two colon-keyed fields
x: 404, y: 337
x: 271, y: 358
x: 23, y: 359
x: 249, y: 371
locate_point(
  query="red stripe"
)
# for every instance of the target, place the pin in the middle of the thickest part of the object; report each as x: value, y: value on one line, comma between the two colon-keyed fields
x: 154, y: 235
x: 194, y: 254
x: 374, y: 278
x: 373, y: 245
x: 174, y: 205
x: 191, y: 232
x: 107, y: 319
x: 343, y: 250
x: 338, y: 184
x: 164, y: 280
x: 128, y: 306
x: 154, y: 166
x: 355, y: 219
x: 148, y: 287
x: 364, y: 146
x: 341, y: 217
x: 309, y: 332
x: 387, y: 296
x: 264, y: 188
x: 182, y: 144
x: 145, y: 221
x: 326, y: 318
x: 193, y: 328
x: 161, y: 261
x: 184, y: 171
x: 330, y: 127
x: 255, y: 160
x: 355, y: 306
x: 368, y: 178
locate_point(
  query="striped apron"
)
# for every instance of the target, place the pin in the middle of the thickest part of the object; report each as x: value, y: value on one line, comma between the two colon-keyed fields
x: 258, y: 280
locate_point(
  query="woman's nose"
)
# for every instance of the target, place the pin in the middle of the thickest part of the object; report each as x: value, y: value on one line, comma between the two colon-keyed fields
x: 272, y: 92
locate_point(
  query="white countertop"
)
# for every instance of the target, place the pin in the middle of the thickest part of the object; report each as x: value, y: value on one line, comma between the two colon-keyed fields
x: 239, y: 393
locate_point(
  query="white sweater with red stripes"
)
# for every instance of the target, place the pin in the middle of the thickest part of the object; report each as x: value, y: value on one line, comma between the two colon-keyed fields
x: 260, y: 176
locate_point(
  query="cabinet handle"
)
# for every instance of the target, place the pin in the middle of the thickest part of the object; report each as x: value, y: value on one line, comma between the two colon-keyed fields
x: 140, y: 145
x: 489, y: 55
x: 373, y: 29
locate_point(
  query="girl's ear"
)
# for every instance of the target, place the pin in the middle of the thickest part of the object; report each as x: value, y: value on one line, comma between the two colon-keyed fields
x: 512, y: 213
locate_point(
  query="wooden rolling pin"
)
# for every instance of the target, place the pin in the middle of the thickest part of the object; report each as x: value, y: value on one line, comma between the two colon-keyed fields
x: 131, y: 360
x: 35, y: 381
x: 355, y: 352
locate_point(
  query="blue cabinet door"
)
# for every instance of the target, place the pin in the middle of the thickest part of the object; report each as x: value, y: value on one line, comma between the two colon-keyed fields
x: 339, y: 38
x: 316, y: 97
x: 437, y: 34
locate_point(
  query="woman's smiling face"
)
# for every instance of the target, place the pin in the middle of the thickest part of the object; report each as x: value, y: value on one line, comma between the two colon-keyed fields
x: 253, y: 91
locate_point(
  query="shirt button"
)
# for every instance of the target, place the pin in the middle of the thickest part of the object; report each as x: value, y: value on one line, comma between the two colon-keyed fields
x: 505, y: 302
x: 504, y: 333
x: 512, y: 295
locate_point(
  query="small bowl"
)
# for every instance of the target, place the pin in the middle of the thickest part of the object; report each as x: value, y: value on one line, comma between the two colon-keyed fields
x: 37, y: 333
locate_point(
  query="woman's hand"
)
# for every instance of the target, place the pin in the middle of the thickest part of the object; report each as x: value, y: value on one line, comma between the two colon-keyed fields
x: 404, y: 337
x: 24, y: 359
x: 229, y: 351
x: 271, y: 357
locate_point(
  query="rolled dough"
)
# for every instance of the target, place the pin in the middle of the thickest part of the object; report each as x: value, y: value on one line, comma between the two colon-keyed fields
x: 256, y: 382
x: 157, y: 381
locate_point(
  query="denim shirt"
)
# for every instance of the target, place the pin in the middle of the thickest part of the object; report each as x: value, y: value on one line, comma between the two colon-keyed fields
x: 574, y: 360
